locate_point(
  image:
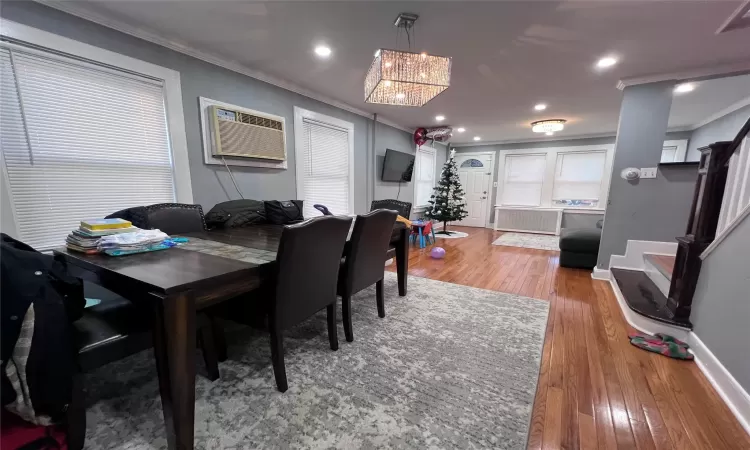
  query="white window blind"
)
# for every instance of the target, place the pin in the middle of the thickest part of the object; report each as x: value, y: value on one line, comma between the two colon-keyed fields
x: 578, y: 177
x: 79, y: 142
x: 523, y: 180
x: 425, y: 177
x: 325, y: 174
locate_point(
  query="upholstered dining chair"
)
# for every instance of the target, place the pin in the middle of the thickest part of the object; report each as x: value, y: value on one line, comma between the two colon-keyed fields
x: 363, y: 263
x: 403, y: 208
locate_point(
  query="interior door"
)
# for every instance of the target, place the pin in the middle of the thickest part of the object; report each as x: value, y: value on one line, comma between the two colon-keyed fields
x: 475, y: 172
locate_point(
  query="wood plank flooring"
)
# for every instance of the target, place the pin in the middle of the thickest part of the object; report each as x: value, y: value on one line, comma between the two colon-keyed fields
x: 595, y: 390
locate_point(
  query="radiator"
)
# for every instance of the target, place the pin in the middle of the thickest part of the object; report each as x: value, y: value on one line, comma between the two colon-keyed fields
x: 530, y: 220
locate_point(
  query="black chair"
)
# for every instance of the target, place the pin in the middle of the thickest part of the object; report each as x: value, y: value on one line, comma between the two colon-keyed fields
x: 363, y: 264
x: 403, y: 208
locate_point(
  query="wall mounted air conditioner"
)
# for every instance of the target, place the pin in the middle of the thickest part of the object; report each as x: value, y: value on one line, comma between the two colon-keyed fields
x: 529, y: 220
x: 238, y: 134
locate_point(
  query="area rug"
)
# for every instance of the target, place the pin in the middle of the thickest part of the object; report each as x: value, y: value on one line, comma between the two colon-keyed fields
x: 448, y: 367
x: 452, y: 235
x: 529, y: 240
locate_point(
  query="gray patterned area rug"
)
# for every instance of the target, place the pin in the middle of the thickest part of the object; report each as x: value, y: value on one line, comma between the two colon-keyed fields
x: 529, y: 240
x: 448, y: 367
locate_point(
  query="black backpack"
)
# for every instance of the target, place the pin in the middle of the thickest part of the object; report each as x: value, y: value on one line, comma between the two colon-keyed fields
x: 236, y: 214
x: 39, y: 302
x: 284, y: 212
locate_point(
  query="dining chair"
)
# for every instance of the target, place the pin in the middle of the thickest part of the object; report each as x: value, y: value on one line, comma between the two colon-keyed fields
x: 403, y: 208
x: 363, y: 263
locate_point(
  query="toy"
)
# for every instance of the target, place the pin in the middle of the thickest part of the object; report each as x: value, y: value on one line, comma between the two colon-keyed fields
x: 437, y: 252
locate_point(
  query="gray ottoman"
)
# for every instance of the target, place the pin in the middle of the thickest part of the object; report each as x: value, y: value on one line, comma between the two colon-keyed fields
x: 579, y: 247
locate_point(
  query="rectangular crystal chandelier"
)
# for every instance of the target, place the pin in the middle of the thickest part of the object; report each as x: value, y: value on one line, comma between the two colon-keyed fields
x: 404, y: 78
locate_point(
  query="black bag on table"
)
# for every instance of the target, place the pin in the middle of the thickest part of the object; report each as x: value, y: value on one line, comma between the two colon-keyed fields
x: 284, y: 212
x: 236, y: 214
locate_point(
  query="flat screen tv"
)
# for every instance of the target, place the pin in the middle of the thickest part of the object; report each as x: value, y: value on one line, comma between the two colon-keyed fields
x: 397, y: 166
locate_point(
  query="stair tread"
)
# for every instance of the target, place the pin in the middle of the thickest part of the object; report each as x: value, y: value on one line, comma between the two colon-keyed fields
x: 644, y: 297
x: 663, y: 263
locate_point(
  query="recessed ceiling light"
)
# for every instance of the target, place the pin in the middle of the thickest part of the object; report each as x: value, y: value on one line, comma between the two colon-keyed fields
x: 684, y: 87
x: 440, y: 118
x: 323, y: 51
x: 550, y: 133
x: 540, y: 107
x: 477, y: 138
x: 607, y: 61
x: 461, y: 129
x: 400, y: 96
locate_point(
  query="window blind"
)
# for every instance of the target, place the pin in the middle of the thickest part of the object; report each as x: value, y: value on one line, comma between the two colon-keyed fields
x: 524, y: 177
x: 425, y: 179
x: 325, y: 177
x: 578, y: 176
x: 79, y: 142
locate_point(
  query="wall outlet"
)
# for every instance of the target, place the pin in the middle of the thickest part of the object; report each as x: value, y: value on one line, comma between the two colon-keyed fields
x: 648, y: 172
x: 494, y: 184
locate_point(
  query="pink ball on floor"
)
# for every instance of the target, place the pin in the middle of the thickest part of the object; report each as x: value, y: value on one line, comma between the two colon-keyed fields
x: 437, y: 252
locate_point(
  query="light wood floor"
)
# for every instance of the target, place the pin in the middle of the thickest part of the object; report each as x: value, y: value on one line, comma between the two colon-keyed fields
x: 595, y: 390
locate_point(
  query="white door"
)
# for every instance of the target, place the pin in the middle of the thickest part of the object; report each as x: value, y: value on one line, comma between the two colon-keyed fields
x: 475, y: 172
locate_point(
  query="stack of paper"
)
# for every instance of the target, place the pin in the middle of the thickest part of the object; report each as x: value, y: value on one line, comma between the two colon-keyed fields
x: 86, y: 238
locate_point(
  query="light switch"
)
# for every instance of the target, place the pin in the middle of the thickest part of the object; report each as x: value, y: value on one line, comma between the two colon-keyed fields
x: 494, y: 184
x: 648, y: 172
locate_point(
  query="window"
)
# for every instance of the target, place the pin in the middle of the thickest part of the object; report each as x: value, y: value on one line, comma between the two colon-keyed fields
x: 556, y: 177
x: 472, y: 163
x: 79, y: 141
x: 578, y: 178
x: 524, y: 177
x: 323, y: 157
x: 424, y: 181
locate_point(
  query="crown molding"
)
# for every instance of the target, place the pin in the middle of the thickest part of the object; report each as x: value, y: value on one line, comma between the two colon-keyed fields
x: 694, y: 74
x: 726, y: 111
x: 75, y: 10
x: 736, y: 20
x: 529, y: 140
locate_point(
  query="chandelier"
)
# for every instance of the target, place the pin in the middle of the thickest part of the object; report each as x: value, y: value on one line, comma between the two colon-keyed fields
x: 406, y: 78
x: 548, y: 126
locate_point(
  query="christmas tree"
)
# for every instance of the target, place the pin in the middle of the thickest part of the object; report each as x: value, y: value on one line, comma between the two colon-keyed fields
x: 447, y: 201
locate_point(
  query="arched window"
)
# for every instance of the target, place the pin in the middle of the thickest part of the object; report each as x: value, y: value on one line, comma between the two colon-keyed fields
x: 472, y: 163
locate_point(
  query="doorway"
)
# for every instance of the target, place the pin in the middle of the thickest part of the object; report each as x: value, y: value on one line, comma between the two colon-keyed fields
x: 475, y: 170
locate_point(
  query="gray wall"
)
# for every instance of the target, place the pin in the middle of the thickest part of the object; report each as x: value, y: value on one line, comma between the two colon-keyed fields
x: 647, y: 209
x: 722, y: 129
x: 580, y: 220
x: 721, y: 306
x: 211, y: 184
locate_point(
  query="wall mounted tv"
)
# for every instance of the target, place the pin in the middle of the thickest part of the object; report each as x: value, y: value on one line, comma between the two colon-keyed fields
x: 397, y: 166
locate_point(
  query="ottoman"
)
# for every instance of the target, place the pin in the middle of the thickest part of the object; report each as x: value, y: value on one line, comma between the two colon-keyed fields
x: 579, y: 247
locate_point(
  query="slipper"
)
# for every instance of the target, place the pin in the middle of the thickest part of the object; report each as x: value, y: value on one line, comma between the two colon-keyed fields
x: 659, y: 338
x: 668, y: 338
x: 669, y: 349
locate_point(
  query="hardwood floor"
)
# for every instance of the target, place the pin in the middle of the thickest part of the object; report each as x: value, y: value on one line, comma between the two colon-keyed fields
x: 595, y: 390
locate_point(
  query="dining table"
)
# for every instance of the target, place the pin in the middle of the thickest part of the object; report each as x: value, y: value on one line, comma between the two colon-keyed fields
x: 173, y: 284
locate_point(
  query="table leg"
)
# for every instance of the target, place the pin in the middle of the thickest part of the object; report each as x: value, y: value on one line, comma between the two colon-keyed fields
x: 402, y: 260
x: 421, y: 238
x: 174, y: 349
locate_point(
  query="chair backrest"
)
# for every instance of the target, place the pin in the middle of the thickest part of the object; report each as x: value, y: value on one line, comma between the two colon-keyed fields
x: 403, y: 208
x: 365, y: 262
x: 176, y: 218
x: 308, y: 263
x: 427, y: 227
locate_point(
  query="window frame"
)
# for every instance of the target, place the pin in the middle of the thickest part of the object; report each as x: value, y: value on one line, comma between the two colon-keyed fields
x: 433, y: 152
x: 51, y: 45
x: 551, y: 154
x: 299, y: 115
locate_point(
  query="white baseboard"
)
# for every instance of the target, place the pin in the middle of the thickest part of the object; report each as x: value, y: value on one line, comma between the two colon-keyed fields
x: 728, y: 388
x: 633, y: 257
x: 600, y: 274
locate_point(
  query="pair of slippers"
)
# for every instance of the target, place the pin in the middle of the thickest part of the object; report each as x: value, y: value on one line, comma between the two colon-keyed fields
x: 663, y: 344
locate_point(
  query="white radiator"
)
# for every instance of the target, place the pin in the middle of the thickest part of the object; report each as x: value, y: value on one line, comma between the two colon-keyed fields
x: 529, y: 220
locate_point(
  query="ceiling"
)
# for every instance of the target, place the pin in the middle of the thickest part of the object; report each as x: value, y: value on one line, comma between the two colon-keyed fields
x: 507, y: 56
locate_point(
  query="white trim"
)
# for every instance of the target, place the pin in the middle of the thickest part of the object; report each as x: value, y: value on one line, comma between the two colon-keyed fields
x: 694, y: 74
x: 736, y: 20
x: 724, y: 112
x: 601, y: 274
x: 728, y: 388
x: 592, y: 211
x: 425, y: 149
x: 633, y: 257
x: 680, y: 145
x: 208, y: 141
x: 172, y: 90
x: 186, y: 49
x: 726, y: 232
x: 493, y: 163
x: 611, y: 134
x: 299, y: 115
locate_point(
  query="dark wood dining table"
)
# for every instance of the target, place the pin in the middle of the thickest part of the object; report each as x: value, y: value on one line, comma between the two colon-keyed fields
x: 213, y: 266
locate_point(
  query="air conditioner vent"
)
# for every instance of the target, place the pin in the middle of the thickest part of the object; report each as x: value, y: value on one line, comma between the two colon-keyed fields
x: 242, y: 135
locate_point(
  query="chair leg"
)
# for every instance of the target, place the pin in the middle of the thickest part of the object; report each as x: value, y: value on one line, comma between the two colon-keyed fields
x: 346, y: 310
x: 76, y: 415
x: 208, y: 348
x: 220, y: 339
x: 333, y: 338
x: 277, y: 357
x: 379, y: 297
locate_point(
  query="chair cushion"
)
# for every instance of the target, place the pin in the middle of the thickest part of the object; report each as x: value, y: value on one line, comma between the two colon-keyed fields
x: 581, y: 240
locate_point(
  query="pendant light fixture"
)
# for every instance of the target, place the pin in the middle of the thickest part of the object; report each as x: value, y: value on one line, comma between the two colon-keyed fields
x: 548, y: 126
x: 406, y: 78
